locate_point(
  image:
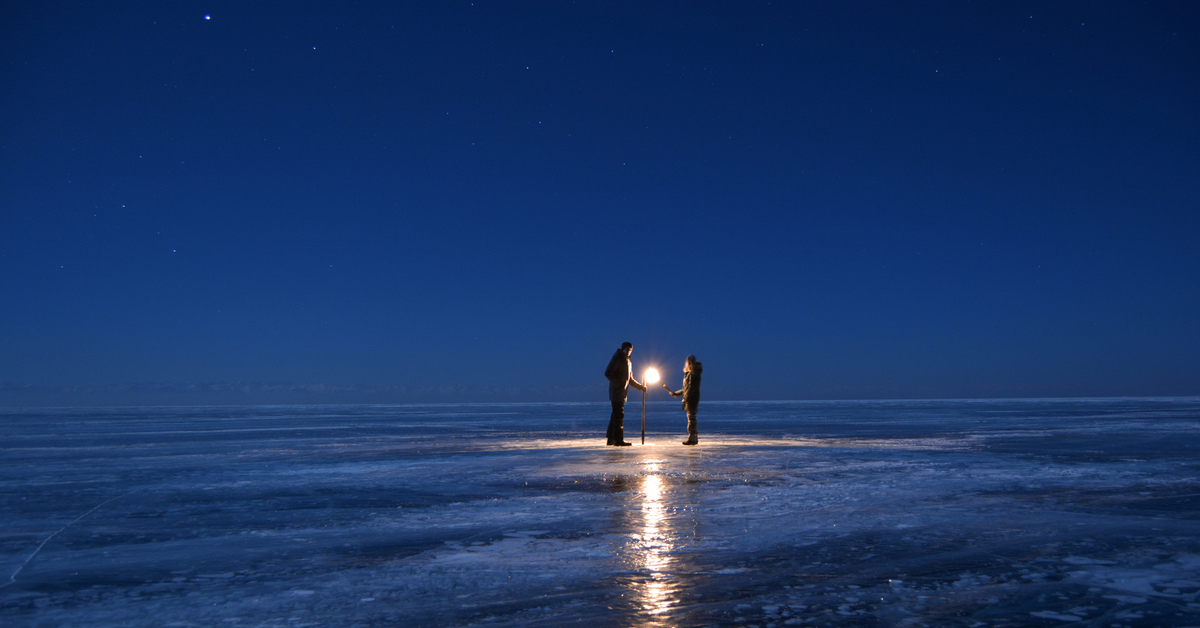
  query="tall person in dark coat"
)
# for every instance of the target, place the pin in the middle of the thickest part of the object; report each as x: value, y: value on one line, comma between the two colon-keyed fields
x: 691, y: 395
x: 620, y: 378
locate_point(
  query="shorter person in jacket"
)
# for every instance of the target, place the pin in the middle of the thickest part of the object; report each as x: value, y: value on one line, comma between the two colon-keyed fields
x: 691, y: 395
x: 620, y: 378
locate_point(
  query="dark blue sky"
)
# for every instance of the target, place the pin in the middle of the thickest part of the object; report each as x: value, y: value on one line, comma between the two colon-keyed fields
x: 463, y: 201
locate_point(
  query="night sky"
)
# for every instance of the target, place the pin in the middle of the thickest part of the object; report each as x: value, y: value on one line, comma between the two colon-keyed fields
x: 229, y: 202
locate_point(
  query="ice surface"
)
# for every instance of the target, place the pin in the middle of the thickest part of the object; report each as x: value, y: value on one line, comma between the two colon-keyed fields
x: 950, y: 513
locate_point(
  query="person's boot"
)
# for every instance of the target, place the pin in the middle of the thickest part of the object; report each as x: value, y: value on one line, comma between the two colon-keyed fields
x: 693, y: 432
x: 623, y: 444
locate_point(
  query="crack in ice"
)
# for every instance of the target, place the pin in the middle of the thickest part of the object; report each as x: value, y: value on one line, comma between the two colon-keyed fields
x: 13, y: 578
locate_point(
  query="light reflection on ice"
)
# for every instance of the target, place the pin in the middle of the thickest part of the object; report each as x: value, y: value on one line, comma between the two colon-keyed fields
x: 655, y: 548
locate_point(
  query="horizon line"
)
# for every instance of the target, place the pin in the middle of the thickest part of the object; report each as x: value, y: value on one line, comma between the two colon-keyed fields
x: 520, y: 403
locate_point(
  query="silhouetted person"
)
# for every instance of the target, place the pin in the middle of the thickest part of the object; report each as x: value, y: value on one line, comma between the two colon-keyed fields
x: 691, y: 395
x: 620, y: 378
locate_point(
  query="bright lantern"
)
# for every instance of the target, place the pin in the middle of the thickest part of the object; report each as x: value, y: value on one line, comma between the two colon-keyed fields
x: 651, y: 376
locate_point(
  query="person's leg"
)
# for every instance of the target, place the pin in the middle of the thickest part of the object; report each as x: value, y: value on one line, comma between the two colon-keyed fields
x: 614, y: 420
x: 619, y: 417
x: 693, y: 435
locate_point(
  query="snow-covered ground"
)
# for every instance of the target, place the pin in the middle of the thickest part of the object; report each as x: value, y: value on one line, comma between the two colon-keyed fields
x: 941, y: 513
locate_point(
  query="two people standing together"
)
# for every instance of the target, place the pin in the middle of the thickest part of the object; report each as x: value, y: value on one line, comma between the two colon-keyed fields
x: 620, y: 377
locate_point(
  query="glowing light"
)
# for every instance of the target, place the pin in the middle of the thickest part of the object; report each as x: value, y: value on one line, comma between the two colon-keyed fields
x: 651, y: 376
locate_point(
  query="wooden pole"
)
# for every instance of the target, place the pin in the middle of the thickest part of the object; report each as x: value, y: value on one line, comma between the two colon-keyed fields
x: 644, y: 409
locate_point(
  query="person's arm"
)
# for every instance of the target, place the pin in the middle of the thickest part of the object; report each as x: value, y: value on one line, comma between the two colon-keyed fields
x: 687, y: 386
x: 636, y: 384
x: 672, y: 392
x: 610, y: 373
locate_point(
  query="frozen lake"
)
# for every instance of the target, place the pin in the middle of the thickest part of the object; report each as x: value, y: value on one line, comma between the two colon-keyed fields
x: 946, y: 513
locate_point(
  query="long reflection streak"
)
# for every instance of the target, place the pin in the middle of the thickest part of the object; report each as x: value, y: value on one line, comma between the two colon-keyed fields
x: 658, y: 594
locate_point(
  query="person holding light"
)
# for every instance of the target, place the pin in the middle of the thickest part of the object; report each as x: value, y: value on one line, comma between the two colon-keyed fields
x: 620, y: 377
x: 691, y: 395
